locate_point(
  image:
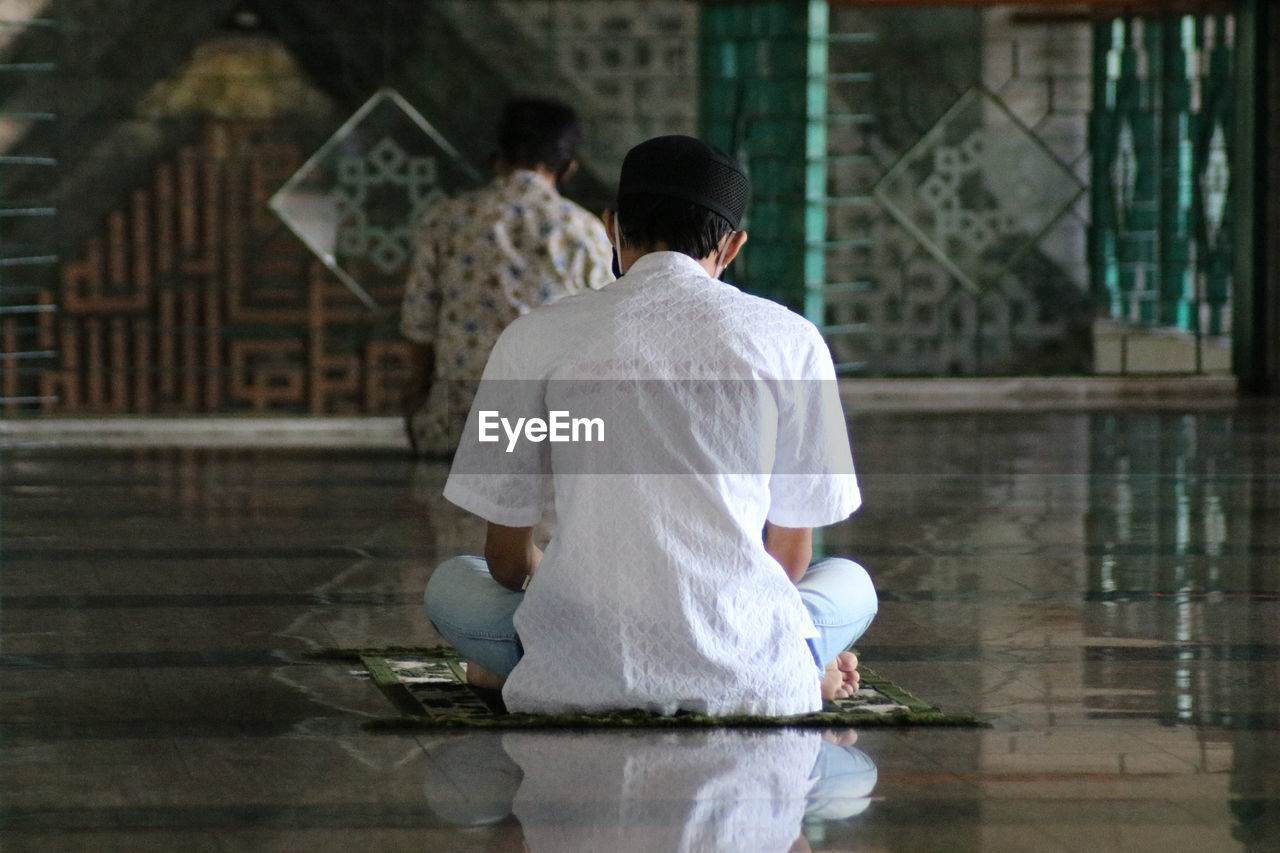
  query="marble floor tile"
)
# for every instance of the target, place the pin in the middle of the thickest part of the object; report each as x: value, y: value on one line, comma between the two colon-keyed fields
x: 19, y: 840
x: 1103, y: 588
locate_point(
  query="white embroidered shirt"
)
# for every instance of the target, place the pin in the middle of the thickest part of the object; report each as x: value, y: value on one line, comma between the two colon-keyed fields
x: 719, y: 412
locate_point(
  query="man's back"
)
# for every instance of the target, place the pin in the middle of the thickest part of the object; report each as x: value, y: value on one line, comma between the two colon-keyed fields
x: 656, y: 591
x: 692, y: 437
x: 482, y: 260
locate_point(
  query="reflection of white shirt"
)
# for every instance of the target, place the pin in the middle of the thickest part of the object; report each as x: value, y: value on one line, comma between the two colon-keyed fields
x: 722, y: 791
x: 656, y: 591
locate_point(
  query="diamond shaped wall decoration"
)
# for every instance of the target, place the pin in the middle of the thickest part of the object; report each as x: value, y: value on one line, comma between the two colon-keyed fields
x: 978, y: 189
x: 1215, y: 183
x: 355, y: 201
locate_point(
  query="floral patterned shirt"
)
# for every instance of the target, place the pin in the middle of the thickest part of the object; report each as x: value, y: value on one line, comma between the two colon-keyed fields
x: 482, y: 259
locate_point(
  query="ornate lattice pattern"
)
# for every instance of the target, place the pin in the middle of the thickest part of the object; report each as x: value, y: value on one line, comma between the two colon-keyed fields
x: 356, y: 200
x: 978, y: 189
x: 386, y: 166
x: 957, y: 243
x: 636, y: 61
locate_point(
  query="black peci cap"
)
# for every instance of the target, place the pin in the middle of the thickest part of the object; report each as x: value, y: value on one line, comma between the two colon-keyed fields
x: 689, y: 169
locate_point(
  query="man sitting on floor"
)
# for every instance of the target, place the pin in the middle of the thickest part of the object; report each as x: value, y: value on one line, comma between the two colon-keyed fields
x: 718, y: 418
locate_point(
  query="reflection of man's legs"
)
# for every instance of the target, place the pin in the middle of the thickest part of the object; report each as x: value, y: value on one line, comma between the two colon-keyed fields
x: 470, y: 781
x: 474, y: 613
x: 841, y: 783
x: 841, y: 600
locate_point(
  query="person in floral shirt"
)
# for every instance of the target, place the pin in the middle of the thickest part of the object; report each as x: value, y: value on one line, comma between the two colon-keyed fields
x: 489, y: 255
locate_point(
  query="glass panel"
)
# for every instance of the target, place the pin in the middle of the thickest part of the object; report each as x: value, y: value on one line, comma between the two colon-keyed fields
x: 978, y: 190
x: 355, y: 201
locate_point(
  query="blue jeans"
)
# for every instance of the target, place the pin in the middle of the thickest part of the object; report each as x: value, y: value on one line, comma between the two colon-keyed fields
x: 474, y: 612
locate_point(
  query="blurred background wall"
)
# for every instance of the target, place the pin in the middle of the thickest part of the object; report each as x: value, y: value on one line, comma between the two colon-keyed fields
x: 948, y: 190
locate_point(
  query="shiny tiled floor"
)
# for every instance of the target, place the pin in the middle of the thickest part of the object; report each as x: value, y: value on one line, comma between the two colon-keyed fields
x: 1104, y: 587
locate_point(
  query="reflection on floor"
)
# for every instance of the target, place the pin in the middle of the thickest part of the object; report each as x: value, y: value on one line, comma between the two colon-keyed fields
x: 1103, y: 586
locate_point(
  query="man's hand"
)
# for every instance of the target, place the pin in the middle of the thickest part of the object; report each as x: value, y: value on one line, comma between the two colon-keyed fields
x: 511, y: 555
x: 792, y: 547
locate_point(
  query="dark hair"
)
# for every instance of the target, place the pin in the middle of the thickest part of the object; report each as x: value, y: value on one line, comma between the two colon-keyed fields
x: 646, y: 221
x: 538, y: 132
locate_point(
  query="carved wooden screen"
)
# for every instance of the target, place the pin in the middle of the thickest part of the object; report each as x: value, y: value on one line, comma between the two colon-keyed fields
x: 195, y: 298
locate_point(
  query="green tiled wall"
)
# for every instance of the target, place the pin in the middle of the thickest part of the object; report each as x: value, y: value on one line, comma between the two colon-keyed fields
x: 1161, y: 136
x: 763, y: 101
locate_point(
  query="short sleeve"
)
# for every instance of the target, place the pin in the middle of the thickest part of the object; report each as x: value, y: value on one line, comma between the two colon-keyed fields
x: 499, y: 473
x: 585, y: 250
x: 420, y: 310
x: 812, y: 483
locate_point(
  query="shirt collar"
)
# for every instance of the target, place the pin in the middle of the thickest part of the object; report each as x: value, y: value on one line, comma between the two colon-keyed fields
x: 525, y: 178
x: 657, y: 263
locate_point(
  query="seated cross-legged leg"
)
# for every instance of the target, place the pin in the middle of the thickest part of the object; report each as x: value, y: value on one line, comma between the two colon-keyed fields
x: 474, y: 613
x: 842, y: 602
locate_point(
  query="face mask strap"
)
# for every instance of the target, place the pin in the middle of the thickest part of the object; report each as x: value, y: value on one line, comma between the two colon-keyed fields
x: 720, y: 251
x: 617, y: 252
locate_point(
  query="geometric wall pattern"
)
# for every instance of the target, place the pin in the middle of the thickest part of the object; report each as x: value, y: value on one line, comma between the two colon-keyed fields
x: 1163, y: 131
x: 194, y: 298
x: 635, y: 64
x: 940, y: 263
x: 191, y: 296
x: 978, y: 189
x: 355, y: 201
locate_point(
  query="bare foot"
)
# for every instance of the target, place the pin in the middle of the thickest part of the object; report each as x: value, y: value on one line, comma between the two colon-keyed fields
x: 840, y: 681
x: 478, y: 676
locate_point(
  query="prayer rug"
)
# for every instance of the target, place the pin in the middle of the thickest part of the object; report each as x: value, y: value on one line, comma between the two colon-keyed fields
x: 428, y: 687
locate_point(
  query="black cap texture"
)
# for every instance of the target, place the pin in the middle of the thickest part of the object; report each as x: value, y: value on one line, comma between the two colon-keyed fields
x: 688, y: 169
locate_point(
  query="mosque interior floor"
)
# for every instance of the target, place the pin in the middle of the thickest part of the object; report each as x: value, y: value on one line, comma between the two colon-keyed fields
x: 1103, y: 587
